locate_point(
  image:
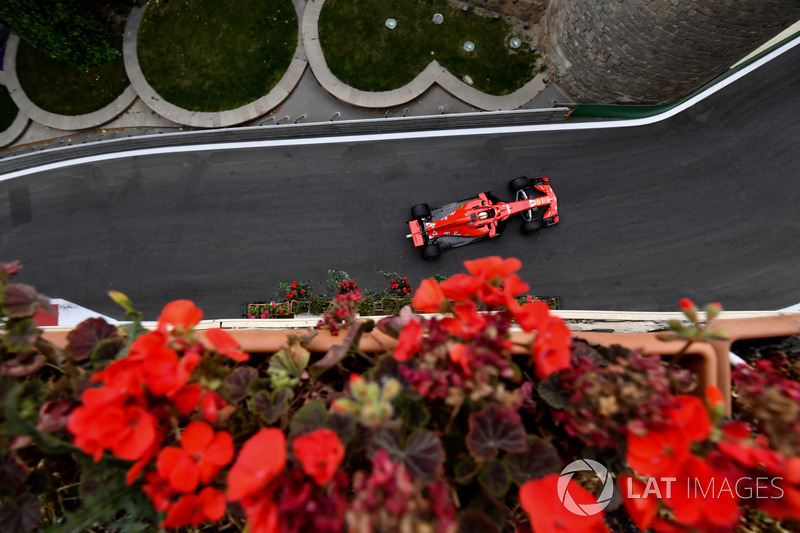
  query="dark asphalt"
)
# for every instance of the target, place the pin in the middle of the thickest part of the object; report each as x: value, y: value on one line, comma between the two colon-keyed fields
x: 704, y: 205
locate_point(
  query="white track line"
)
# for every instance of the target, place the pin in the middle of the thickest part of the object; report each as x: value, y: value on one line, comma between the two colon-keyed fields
x: 412, y: 135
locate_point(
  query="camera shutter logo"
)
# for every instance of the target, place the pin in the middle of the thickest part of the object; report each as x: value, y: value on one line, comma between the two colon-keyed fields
x: 587, y: 509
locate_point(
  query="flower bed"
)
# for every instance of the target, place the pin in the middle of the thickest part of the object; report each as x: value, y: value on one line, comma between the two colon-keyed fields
x: 455, y: 425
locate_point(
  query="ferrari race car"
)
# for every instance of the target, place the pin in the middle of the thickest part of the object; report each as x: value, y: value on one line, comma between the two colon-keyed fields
x: 482, y: 217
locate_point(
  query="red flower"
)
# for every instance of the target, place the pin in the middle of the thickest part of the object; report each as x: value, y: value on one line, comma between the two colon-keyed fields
x: 705, y: 499
x: 690, y: 415
x: 409, y: 342
x: 194, y: 509
x: 429, y: 297
x: 540, y: 499
x: 658, y: 453
x: 199, y: 459
x: 260, y: 461
x: 225, y: 344
x: 688, y: 308
x: 642, y: 508
x: 493, y: 267
x: 460, y: 287
x: 551, y: 348
x: 128, y: 430
x: 460, y: 355
x: 531, y: 315
x: 320, y: 452
x: 180, y: 314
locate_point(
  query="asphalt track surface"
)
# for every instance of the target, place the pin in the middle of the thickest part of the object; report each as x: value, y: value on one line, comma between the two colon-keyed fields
x: 704, y: 205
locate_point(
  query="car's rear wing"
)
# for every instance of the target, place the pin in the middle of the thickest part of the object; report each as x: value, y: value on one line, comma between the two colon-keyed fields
x: 416, y: 233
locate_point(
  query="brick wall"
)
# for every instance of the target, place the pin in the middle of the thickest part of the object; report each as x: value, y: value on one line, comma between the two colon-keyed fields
x: 653, y: 51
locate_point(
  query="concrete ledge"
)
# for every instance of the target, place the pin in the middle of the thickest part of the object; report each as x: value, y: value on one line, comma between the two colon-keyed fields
x: 15, y: 130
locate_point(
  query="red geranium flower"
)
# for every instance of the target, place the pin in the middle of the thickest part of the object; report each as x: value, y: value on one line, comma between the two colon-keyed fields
x: 409, y: 341
x: 260, y: 461
x: 128, y: 430
x: 690, y: 415
x: 642, y: 508
x: 429, y: 297
x: 540, y: 499
x: 460, y: 287
x: 551, y: 347
x: 194, y: 509
x: 493, y: 267
x: 180, y: 314
x: 658, y: 453
x: 225, y: 344
x: 320, y: 452
x: 705, y: 499
x: 201, y: 456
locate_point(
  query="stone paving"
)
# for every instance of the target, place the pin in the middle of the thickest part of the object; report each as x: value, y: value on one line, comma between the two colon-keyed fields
x: 308, y: 97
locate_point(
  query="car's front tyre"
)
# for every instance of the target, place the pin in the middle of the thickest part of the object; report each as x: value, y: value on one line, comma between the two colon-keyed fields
x: 517, y: 184
x: 531, y: 227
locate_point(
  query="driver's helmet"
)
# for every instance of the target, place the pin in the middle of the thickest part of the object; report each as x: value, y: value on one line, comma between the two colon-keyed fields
x: 483, y: 215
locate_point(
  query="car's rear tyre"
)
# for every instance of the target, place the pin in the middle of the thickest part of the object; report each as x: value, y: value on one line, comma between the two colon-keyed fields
x: 518, y: 184
x: 531, y: 227
x: 431, y: 252
x: 420, y: 211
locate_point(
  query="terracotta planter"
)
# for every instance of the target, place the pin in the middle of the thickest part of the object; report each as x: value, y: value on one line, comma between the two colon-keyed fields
x: 710, y: 362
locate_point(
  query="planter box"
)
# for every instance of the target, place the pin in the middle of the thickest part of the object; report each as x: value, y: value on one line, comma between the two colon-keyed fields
x: 709, y: 362
x: 280, y: 310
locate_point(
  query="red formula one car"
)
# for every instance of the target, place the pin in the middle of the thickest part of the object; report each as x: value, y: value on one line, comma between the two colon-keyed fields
x: 483, y: 216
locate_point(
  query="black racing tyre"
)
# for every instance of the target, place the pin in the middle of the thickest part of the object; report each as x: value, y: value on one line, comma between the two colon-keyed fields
x: 431, y: 252
x: 531, y: 227
x: 420, y: 211
x: 518, y: 184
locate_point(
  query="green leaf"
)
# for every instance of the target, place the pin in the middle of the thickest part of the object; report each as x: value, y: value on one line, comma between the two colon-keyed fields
x: 476, y: 522
x: 348, y: 346
x: 494, y: 429
x: 540, y: 459
x: 414, y: 413
x: 311, y: 416
x: 239, y: 381
x: 344, y: 425
x: 549, y: 393
x: 21, y: 336
x: 22, y: 515
x: 422, y: 454
x: 94, y: 337
x: 495, y: 478
x: 20, y: 301
x: 22, y: 405
x: 271, y: 405
x: 12, y: 472
x: 465, y: 470
x: 292, y: 361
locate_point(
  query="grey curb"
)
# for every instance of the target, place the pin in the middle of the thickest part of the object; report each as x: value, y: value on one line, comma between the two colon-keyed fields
x: 202, y: 119
x: 434, y: 73
x: 54, y: 120
x: 13, y: 132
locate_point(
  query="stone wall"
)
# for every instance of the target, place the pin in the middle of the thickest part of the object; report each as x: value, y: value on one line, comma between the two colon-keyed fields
x: 653, y: 51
